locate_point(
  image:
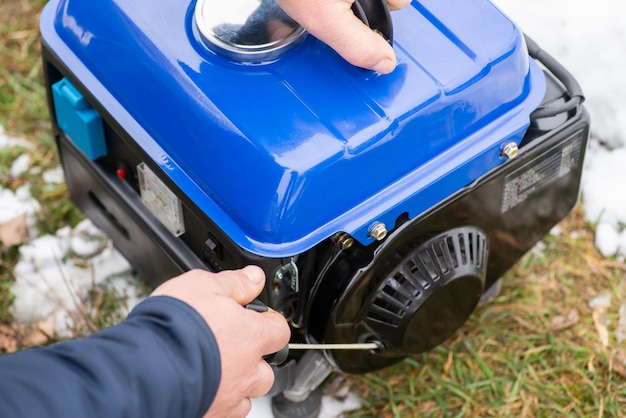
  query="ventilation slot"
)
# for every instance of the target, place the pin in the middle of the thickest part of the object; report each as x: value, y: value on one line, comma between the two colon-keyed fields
x: 405, y: 286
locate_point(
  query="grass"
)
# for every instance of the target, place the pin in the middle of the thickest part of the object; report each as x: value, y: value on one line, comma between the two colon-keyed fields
x: 509, y: 360
x: 22, y: 110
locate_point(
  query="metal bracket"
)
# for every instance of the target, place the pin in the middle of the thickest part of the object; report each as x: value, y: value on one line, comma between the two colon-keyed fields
x: 288, y: 272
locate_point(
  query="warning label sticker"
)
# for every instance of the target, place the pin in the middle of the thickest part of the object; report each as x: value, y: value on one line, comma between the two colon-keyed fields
x: 541, y: 172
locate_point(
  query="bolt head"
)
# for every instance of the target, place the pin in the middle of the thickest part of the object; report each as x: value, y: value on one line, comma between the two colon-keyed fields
x: 378, y: 231
x: 510, y: 150
x: 345, y: 241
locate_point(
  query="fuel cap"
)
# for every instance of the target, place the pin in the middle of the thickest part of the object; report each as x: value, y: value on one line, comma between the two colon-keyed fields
x: 247, y: 30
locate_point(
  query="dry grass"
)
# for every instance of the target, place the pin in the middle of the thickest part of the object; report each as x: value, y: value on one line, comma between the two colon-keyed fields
x: 538, y: 349
x: 22, y: 110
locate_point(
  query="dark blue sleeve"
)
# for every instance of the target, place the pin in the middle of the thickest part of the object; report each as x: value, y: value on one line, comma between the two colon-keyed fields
x: 162, y: 361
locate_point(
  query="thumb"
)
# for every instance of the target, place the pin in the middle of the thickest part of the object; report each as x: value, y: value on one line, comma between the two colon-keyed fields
x: 242, y: 285
x: 334, y: 23
x: 397, y: 4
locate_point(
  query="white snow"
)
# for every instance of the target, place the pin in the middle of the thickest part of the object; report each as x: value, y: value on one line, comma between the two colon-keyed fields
x: 54, y: 175
x: 19, y: 166
x: 14, y: 204
x: 587, y: 38
x: 601, y: 302
x: 56, y: 272
x: 8, y: 141
x: 332, y: 405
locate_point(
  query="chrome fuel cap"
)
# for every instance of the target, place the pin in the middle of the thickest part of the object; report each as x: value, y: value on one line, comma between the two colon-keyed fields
x: 247, y: 30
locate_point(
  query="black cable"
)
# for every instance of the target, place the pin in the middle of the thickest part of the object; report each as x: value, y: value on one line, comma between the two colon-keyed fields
x: 574, y: 90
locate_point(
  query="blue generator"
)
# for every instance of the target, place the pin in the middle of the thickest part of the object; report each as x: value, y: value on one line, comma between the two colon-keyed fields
x: 382, y: 208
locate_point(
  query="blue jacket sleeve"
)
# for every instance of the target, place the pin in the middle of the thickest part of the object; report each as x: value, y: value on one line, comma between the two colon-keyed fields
x: 162, y: 361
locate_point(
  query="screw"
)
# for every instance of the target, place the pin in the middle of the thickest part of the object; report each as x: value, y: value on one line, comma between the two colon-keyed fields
x: 378, y: 231
x: 510, y: 150
x: 345, y: 241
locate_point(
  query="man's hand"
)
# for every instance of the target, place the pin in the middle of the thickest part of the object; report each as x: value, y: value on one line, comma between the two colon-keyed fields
x: 243, y: 336
x: 333, y: 22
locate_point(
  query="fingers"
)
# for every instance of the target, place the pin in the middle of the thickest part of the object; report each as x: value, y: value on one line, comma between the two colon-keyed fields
x: 334, y: 23
x: 245, y: 285
x: 196, y: 287
x: 240, y: 410
x: 244, y: 405
x: 397, y: 4
x: 264, y: 380
x: 272, y: 331
x: 241, y: 285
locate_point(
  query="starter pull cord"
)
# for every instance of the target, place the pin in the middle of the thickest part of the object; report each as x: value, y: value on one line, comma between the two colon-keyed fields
x: 279, y: 357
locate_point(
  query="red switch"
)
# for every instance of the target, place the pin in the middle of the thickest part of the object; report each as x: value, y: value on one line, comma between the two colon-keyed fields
x: 121, y: 173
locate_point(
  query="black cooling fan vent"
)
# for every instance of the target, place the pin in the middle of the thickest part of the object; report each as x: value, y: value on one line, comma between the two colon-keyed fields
x: 428, y: 267
x: 414, y: 295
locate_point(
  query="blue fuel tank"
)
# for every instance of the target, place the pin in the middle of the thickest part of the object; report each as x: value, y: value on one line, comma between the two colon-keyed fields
x: 283, y: 151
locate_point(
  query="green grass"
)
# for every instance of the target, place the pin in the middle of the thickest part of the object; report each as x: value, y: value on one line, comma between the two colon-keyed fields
x: 7, y: 263
x: 101, y: 307
x: 506, y: 361
x: 22, y: 110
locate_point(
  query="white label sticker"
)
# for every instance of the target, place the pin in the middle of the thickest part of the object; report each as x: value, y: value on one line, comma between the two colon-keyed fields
x: 541, y: 172
x: 160, y: 200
